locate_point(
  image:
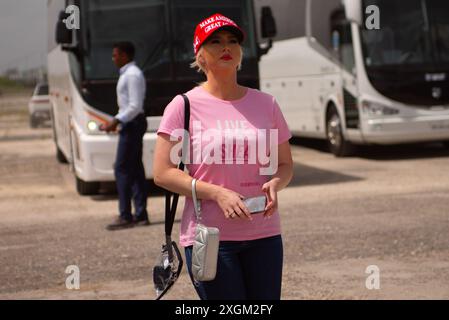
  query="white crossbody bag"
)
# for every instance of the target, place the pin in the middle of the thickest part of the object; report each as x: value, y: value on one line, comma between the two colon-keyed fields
x: 205, y: 247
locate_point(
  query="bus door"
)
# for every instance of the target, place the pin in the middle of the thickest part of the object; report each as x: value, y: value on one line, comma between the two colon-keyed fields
x: 344, y: 50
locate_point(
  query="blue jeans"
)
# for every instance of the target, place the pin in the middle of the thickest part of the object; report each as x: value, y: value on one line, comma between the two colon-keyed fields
x: 129, y: 170
x: 246, y: 270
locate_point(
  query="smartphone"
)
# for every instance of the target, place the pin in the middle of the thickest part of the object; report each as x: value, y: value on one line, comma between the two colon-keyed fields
x: 256, y: 204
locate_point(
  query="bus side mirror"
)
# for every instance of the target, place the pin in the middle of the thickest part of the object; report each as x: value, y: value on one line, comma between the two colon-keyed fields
x: 353, y: 10
x: 268, y: 24
x: 63, y: 34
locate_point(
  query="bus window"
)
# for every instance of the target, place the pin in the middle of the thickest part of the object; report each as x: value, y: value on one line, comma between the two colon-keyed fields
x: 140, y: 21
x: 438, y: 16
x: 403, y: 38
x: 341, y: 36
x: 321, y: 13
x: 42, y: 90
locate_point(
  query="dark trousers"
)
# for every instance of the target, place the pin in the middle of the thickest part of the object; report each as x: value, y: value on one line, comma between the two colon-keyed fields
x: 129, y: 170
x: 246, y: 270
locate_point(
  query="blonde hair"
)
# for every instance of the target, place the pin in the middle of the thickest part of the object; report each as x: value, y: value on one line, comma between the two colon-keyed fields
x: 201, y: 67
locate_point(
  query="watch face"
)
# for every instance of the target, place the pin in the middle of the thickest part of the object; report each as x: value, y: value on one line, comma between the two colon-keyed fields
x: 256, y: 204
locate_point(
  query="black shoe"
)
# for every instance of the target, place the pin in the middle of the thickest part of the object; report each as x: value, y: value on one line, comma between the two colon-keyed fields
x: 119, y: 224
x: 141, y: 222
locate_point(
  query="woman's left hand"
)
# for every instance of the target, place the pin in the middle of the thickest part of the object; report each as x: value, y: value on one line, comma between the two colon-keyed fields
x: 270, y: 189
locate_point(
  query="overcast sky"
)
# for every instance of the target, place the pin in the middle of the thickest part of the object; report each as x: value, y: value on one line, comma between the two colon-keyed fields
x: 23, y: 34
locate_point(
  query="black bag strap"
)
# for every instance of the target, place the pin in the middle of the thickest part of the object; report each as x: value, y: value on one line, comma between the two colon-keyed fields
x: 170, y: 207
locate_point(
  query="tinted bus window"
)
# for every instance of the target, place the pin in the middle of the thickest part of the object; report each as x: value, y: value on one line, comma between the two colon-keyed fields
x: 142, y: 22
x: 42, y: 90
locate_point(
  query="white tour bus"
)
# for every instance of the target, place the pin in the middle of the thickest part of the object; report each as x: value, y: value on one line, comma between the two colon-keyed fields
x: 82, y: 77
x: 339, y: 80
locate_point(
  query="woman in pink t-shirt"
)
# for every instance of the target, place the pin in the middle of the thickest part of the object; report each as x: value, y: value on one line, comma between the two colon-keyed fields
x: 238, y: 148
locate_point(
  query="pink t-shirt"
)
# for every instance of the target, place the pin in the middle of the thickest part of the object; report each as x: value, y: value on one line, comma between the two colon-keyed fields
x: 219, y: 156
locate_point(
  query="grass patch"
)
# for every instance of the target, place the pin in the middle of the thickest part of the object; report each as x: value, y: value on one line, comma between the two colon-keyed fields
x: 8, y: 86
x: 7, y: 83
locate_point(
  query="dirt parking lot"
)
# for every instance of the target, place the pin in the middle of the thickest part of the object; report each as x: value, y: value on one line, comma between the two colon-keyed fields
x: 386, y: 207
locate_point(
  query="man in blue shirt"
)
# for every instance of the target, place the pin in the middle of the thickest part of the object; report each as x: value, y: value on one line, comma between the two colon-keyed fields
x: 129, y: 170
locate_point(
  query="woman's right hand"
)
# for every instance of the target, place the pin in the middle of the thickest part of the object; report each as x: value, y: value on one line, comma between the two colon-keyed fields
x: 232, y: 205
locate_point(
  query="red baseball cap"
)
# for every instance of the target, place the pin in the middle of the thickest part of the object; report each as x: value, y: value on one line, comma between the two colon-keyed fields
x: 209, y: 25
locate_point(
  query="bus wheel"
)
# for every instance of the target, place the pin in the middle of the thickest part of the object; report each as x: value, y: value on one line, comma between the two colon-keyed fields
x: 60, y: 156
x: 337, y: 143
x: 87, y: 188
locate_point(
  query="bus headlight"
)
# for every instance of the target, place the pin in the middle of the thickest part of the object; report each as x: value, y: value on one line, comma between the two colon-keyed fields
x: 92, y: 126
x: 377, y: 109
